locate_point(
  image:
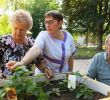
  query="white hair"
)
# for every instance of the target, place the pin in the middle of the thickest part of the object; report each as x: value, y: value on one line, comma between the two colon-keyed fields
x: 22, y: 16
x: 106, y: 40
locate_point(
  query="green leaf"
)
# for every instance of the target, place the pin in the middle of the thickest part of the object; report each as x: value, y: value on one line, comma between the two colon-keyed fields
x: 77, y: 73
x: 79, y: 95
x: 2, y: 93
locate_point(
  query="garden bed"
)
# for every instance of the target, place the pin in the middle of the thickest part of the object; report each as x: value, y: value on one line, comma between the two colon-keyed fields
x: 40, y: 88
x: 57, y: 91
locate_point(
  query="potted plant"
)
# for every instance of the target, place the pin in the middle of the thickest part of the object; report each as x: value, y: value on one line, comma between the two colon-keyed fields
x: 25, y: 86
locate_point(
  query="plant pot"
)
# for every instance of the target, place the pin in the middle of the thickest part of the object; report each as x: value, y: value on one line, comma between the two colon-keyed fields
x: 11, y: 94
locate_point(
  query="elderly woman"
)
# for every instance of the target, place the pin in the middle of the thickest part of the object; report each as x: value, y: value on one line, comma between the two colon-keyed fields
x: 56, y: 44
x: 14, y: 46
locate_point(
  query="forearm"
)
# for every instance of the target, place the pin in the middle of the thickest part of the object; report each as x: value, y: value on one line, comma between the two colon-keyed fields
x: 70, y: 63
x: 31, y: 55
x: 42, y: 66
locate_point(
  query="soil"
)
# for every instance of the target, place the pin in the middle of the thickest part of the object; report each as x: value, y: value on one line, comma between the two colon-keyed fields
x: 69, y: 96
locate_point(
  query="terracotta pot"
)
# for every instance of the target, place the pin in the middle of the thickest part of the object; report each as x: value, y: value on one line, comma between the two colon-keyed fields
x: 11, y: 94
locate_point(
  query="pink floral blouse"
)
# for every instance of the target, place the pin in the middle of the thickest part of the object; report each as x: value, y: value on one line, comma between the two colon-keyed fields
x: 11, y: 51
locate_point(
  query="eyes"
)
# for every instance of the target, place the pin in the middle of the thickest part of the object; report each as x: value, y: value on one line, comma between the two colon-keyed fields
x: 19, y: 29
x: 50, y: 22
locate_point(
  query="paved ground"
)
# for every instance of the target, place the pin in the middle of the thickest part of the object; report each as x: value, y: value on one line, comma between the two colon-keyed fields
x: 81, y: 65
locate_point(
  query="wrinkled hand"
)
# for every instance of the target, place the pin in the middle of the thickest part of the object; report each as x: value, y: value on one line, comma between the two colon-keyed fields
x: 49, y: 73
x: 13, y: 64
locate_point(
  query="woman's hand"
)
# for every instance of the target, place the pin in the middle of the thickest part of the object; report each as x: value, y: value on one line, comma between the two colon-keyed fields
x: 49, y: 73
x: 13, y: 64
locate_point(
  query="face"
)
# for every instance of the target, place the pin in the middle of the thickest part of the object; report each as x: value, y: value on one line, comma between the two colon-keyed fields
x: 19, y: 30
x: 108, y: 47
x: 52, y: 25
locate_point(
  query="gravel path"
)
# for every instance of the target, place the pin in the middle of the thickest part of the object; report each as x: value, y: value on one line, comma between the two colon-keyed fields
x: 81, y: 65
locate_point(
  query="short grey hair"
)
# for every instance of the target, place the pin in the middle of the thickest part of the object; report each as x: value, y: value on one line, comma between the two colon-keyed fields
x: 22, y: 16
x: 106, y: 40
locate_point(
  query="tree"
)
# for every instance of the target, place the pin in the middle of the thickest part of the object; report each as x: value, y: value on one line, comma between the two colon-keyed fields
x: 17, y: 4
x: 93, y: 15
x: 38, y: 8
x: 4, y: 25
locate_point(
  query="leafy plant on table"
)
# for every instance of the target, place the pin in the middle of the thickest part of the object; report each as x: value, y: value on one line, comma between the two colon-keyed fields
x: 2, y: 93
x: 25, y: 86
x: 81, y: 91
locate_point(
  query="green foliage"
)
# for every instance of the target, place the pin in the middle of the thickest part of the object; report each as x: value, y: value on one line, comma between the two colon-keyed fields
x: 38, y: 8
x: 4, y: 24
x: 27, y: 87
x: 77, y: 73
x: 2, y: 93
x: 2, y: 3
x: 86, y: 13
x: 83, y: 92
x: 90, y: 15
x: 16, y: 4
x: 5, y: 27
x: 86, y: 52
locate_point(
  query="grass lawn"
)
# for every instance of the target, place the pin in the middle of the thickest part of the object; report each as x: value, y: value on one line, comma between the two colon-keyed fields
x: 86, y: 52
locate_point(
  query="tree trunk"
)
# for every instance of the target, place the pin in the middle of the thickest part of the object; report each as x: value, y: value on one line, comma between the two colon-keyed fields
x: 86, y: 38
x: 99, y: 44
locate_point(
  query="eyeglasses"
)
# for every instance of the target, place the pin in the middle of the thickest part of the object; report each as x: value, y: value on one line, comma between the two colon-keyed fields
x: 49, y: 22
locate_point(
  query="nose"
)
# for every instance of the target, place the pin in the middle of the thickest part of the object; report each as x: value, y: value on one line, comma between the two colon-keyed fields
x: 17, y: 31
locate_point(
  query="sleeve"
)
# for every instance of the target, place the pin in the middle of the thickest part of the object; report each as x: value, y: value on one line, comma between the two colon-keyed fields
x: 92, y: 70
x: 37, y: 60
x: 72, y: 46
x: 39, y: 41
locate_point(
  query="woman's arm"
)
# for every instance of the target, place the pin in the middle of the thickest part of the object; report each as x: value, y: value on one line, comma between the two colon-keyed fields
x: 42, y: 67
x: 70, y: 63
x: 29, y: 57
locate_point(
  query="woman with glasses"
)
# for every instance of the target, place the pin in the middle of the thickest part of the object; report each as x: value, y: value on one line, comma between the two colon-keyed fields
x: 56, y: 45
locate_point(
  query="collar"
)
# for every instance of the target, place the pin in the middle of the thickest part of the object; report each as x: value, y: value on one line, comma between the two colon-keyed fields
x: 105, y: 56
